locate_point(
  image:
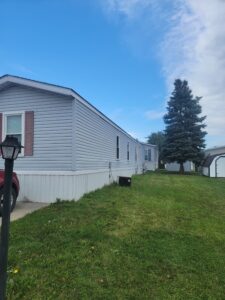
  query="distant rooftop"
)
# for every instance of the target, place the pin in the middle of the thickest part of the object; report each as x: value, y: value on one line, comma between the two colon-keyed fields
x: 209, y: 159
x: 215, y: 147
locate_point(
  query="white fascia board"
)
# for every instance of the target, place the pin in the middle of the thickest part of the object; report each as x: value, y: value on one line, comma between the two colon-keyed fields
x: 36, y: 84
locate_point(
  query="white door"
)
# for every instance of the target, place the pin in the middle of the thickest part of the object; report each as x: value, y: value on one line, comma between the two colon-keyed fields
x: 220, y: 167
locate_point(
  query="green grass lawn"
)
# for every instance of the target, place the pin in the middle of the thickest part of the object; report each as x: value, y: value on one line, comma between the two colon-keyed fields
x: 163, y: 238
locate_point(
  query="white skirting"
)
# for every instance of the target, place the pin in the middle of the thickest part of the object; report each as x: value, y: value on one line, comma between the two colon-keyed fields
x: 46, y: 186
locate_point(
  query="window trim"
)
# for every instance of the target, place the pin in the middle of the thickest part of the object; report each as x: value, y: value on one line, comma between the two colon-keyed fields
x: 4, y: 118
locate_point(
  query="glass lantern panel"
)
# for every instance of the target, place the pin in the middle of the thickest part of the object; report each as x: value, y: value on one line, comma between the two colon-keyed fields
x: 16, y: 152
x: 7, y: 152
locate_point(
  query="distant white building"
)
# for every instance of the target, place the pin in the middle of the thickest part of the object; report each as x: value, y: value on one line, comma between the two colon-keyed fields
x: 215, y: 150
x: 175, y: 167
x: 214, y: 163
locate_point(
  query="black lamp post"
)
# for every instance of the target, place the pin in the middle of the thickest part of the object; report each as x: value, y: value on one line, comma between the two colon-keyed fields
x: 10, y: 149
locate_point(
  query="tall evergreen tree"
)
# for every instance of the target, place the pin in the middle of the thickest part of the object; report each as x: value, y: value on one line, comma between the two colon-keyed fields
x: 184, y: 135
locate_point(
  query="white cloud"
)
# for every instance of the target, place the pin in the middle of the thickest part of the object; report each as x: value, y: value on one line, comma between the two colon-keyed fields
x: 192, y: 47
x: 154, y: 114
x: 128, y: 8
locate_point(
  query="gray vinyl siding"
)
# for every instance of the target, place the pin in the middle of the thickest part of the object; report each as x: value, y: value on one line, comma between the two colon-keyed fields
x: 96, y: 142
x: 52, y: 127
x: 70, y: 136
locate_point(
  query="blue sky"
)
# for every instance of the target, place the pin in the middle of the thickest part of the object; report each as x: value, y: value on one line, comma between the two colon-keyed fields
x: 122, y: 56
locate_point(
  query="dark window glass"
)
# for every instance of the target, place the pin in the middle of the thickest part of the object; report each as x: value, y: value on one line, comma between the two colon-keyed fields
x: 149, y: 155
x: 117, y: 147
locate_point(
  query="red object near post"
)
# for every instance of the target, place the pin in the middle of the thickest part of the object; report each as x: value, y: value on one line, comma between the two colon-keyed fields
x: 14, y: 192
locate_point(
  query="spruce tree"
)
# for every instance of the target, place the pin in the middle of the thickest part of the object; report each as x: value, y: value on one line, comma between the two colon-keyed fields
x: 184, y: 135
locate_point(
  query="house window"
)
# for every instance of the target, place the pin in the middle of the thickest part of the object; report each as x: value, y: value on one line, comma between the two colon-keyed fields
x: 13, y: 124
x: 128, y: 151
x: 135, y: 153
x: 149, y: 155
x: 117, y: 147
x: 146, y: 154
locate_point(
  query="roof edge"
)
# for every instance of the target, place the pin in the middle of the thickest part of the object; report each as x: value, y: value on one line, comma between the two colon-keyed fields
x: 63, y: 91
x: 36, y: 84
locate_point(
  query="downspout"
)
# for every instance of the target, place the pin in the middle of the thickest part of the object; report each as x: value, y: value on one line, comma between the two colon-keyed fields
x: 110, y: 171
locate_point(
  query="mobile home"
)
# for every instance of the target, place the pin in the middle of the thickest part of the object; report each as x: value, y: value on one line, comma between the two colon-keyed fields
x: 70, y: 146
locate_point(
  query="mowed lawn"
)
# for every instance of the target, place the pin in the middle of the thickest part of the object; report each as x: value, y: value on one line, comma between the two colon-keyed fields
x: 163, y: 238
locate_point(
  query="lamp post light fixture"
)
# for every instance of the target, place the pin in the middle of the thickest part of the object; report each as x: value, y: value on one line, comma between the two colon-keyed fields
x: 10, y: 148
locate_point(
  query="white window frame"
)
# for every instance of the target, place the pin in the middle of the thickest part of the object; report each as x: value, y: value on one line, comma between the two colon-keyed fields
x: 4, y: 126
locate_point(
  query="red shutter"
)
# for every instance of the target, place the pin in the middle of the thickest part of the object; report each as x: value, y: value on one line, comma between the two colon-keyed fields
x: 29, y: 133
x: 0, y: 127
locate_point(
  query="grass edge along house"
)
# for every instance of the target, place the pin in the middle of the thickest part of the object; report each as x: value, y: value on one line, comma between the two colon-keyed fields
x: 71, y: 148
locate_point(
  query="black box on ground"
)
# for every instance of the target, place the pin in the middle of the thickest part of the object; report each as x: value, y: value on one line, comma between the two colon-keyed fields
x: 124, y: 181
